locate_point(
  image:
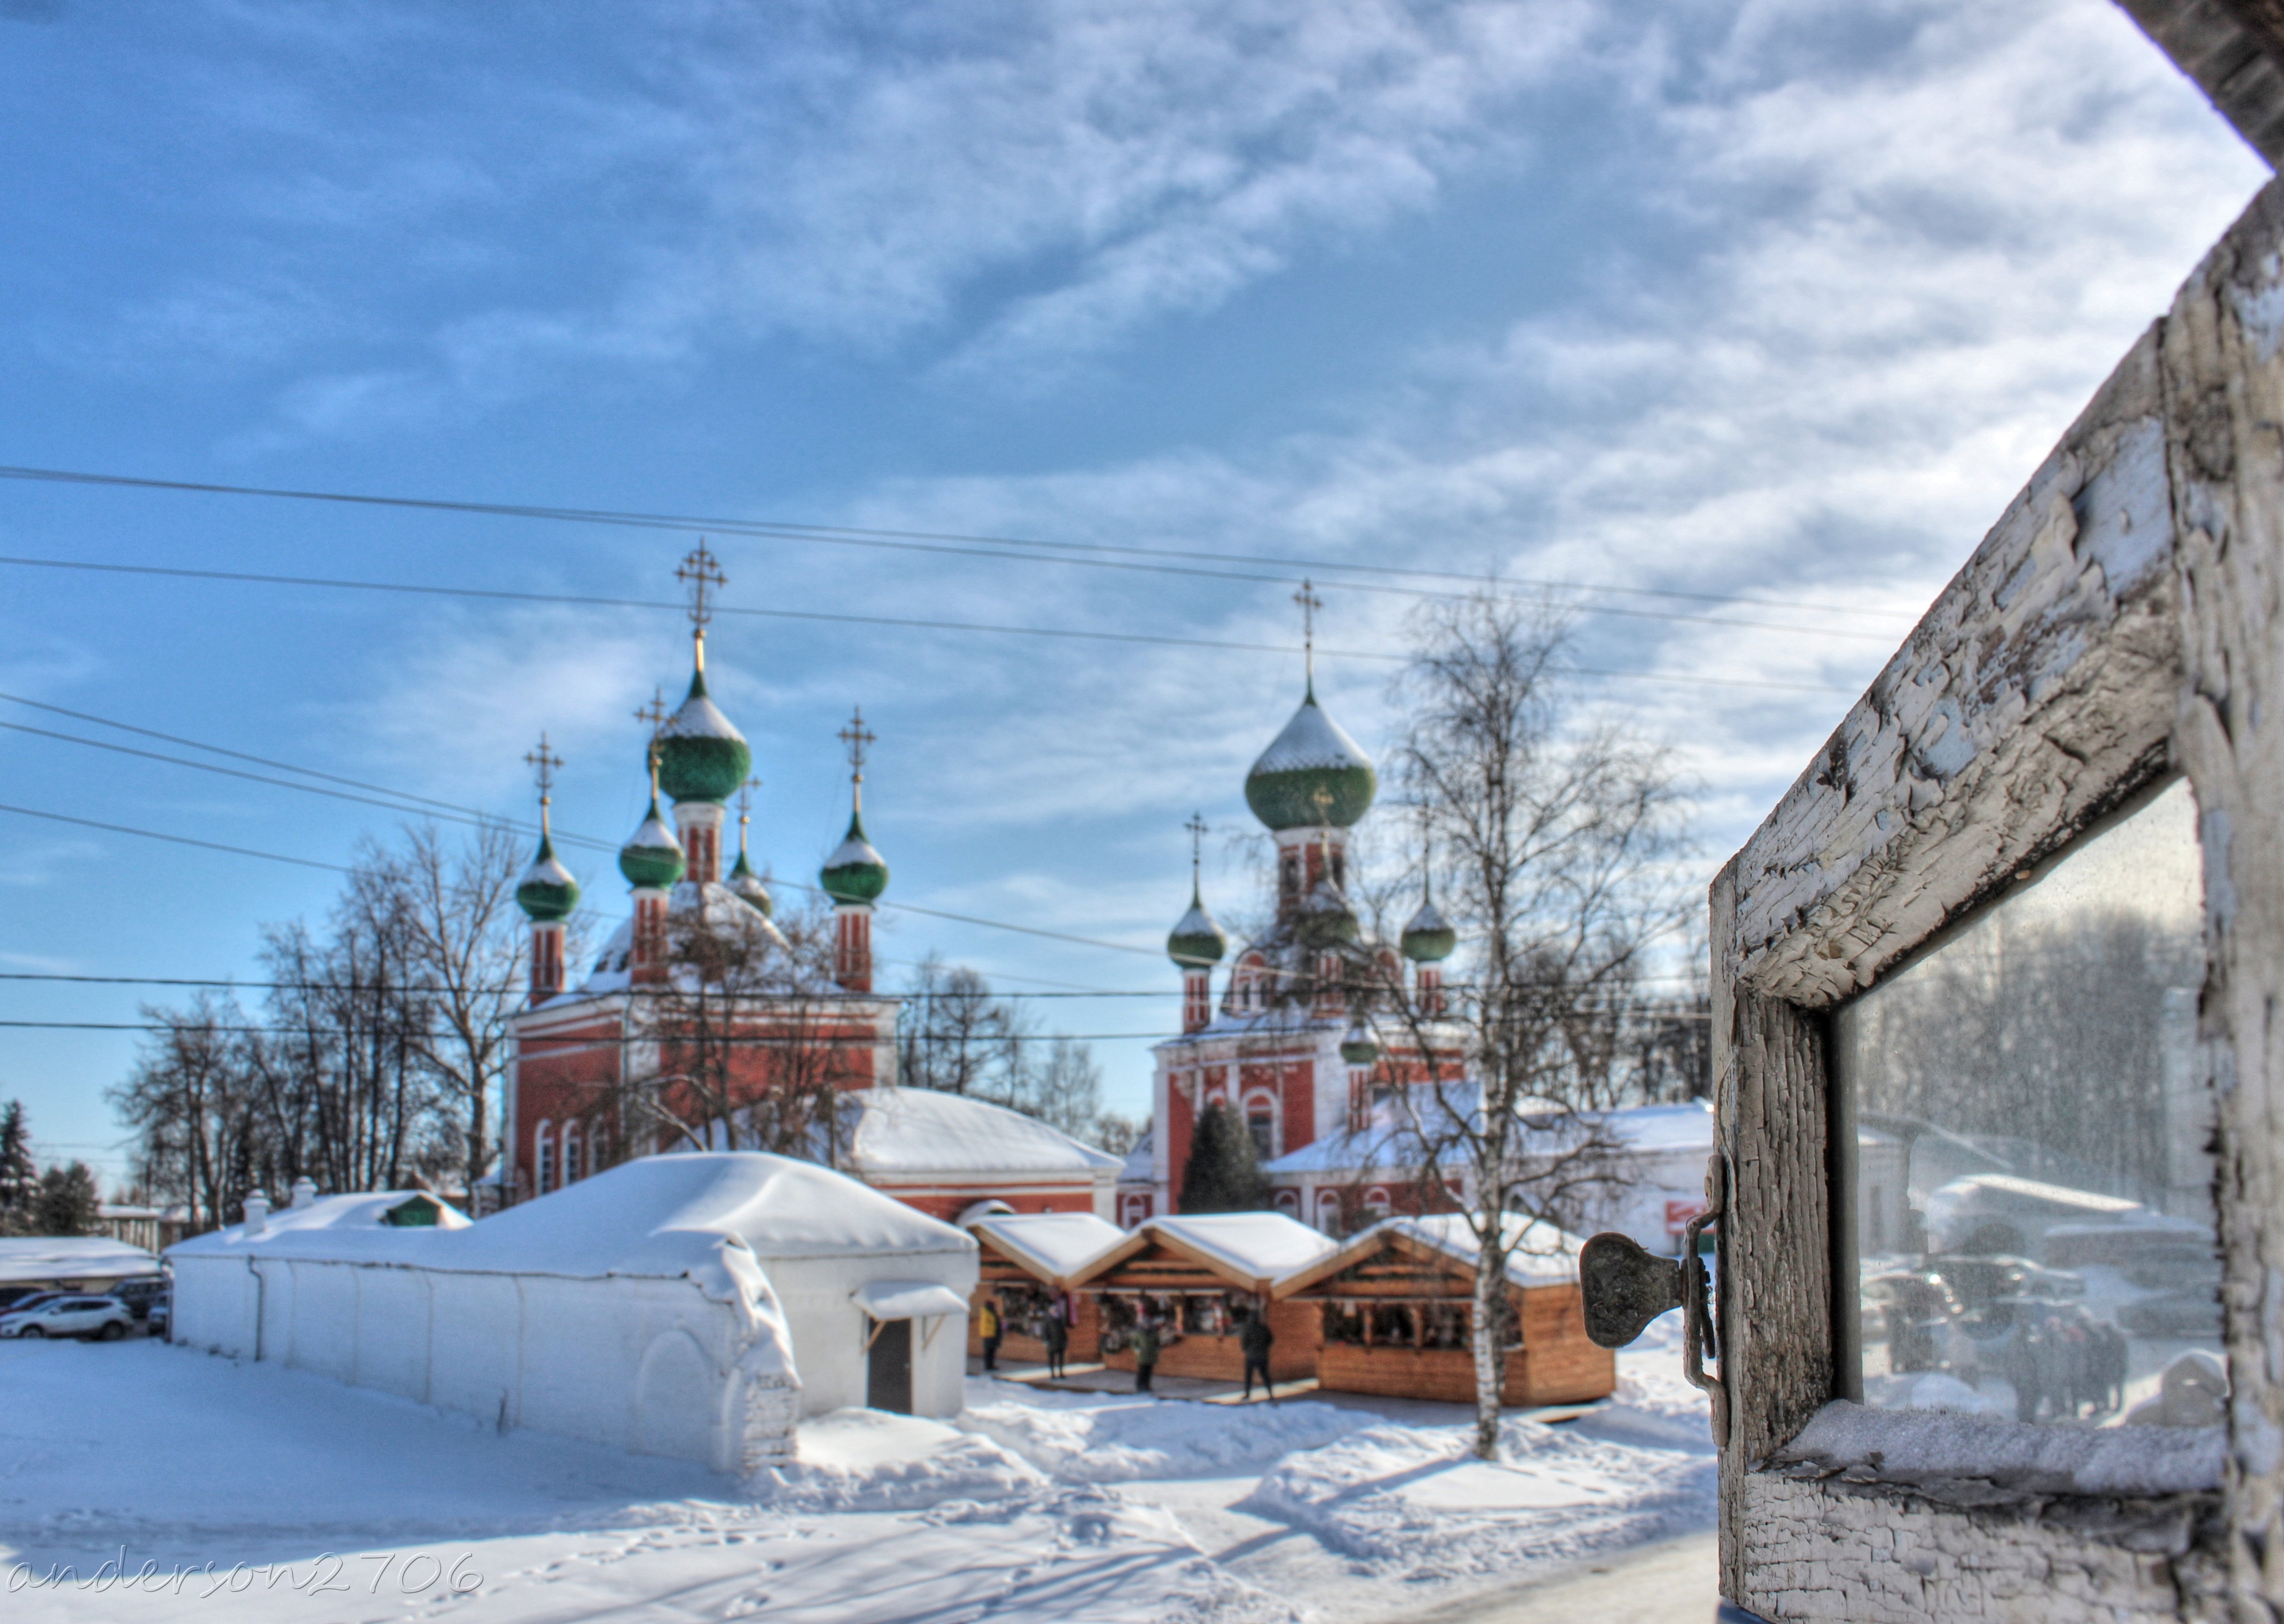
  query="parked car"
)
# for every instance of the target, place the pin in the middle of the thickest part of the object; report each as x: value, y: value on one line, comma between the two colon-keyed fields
x: 30, y: 1300
x: 104, y: 1319
x: 159, y: 1316
x: 138, y: 1295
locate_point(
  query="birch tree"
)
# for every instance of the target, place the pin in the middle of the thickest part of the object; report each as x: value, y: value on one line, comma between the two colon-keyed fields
x: 1555, y: 836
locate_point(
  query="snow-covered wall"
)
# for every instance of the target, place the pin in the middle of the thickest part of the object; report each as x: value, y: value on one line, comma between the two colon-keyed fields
x: 653, y: 1366
x: 673, y: 1304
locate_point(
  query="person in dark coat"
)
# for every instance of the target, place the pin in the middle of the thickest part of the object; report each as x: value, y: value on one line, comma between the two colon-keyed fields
x: 1253, y: 1339
x: 1056, y: 1335
x: 1146, y: 1344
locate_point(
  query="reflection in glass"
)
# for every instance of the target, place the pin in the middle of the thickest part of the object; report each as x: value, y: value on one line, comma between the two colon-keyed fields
x: 2033, y: 1221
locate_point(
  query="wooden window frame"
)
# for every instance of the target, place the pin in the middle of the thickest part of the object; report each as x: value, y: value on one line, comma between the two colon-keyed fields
x: 2122, y: 623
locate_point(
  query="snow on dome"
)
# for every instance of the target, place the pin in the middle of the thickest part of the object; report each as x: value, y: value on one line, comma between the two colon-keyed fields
x: 1052, y: 1246
x: 854, y: 872
x: 1198, y: 940
x: 1311, y: 774
x: 701, y: 756
x: 924, y: 1130
x: 1428, y: 938
x: 548, y: 890
x: 652, y: 856
x: 1262, y: 1245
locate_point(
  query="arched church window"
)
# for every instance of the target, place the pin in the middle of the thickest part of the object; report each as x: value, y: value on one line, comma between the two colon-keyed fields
x: 543, y: 1158
x: 573, y: 1164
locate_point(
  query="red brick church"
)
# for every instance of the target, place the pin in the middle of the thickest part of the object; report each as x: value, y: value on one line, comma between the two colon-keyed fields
x: 580, y: 1047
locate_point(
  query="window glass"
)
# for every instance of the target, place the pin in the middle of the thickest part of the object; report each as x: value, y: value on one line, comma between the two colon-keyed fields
x: 2027, y: 1124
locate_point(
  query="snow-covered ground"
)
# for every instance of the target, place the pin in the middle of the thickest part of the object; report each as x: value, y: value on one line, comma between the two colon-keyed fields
x: 143, y: 1482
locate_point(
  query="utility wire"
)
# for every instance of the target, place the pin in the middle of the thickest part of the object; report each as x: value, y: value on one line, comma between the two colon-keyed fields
x: 1039, y: 552
x: 180, y: 840
x: 585, y: 601
x: 312, y: 986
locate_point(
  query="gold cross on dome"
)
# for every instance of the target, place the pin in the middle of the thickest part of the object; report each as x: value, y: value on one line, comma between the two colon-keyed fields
x: 545, y: 764
x: 856, y: 736
x: 745, y: 798
x: 655, y: 712
x: 1310, y: 604
x: 702, y: 573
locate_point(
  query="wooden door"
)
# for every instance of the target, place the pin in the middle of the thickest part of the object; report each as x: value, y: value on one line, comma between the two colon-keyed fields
x: 888, y: 1375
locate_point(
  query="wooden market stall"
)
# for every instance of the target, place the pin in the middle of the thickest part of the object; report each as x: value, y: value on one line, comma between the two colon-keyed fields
x: 1199, y: 1277
x: 1395, y: 1308
x: 1029, y: 1260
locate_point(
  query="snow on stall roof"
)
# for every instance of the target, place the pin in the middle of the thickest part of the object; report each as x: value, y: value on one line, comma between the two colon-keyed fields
x: 715, y: 1217
x: 1262, y: 1245
x: 925, y: 1130
x: 1538, y: 1254
x: 72, y: 1257
x: 1054, y: 1245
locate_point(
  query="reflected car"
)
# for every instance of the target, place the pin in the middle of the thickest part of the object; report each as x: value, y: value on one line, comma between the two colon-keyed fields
x: 2192, y: 1313
x: 1982, y: 1283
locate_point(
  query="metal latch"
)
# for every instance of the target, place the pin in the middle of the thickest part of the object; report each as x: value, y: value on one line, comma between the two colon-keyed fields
x: 1626, y: 1286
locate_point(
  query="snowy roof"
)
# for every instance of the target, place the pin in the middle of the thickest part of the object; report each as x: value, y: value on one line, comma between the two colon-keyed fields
x: 925, y: 1130
x: 1538, y: 1254
x: 1260, y: 1247
x: 1141, y: 1164
x: 909, y: 1299
x: 1687, y: 1127
x: 72, y: 1257
x: 715, y: 1217
x: 1052, y: 1246
x: 366, y: 1210
x: 1391, y: 1143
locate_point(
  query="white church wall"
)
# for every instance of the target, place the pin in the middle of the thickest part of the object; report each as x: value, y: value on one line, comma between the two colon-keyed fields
x: 829, y: 1330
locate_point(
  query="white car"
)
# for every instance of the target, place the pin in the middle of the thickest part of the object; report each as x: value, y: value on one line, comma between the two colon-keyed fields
x: 106, y: 1319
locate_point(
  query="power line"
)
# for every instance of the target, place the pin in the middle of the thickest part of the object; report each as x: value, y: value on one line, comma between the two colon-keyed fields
x: 541, y: 1045
x: 180, y: 840
x: 1040, y: 552
x: 899, y: 623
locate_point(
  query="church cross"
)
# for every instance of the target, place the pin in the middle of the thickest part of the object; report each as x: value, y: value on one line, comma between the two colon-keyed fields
x: 1310, y: 604
x: 655, y: 712
x: 702, y: 573
x: 544, y: 764
x: 1197, y: 828
x: 856, y: 736
x: 745, y: 798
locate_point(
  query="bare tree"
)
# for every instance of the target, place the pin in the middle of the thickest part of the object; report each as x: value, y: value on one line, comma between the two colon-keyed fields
x: 194, y: 1098
x: 464, y: 946
x: 956, y: 1036
x: 748, y: 1048
x: 1556, y: 835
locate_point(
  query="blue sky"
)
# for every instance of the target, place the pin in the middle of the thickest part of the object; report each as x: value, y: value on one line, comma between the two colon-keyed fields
x: 1777, y: 300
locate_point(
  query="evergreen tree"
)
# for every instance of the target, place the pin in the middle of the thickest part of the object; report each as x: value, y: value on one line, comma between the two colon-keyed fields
x: 20, y: 1178
x: 1223, y: 1172
x: 66, y: 1200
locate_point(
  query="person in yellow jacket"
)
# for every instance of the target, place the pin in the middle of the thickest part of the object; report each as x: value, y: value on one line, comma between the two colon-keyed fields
x: 988, y: 1326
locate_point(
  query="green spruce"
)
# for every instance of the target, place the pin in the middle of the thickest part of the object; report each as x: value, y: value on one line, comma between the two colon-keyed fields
x: 20, y: 1176
x: 1223, y: 1172
x: 66, y: 1203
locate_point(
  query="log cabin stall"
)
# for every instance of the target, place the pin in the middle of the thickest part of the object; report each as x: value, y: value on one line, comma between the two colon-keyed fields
x: 1198, y: 1276
x: 2023, y: 917
x: 1395, y: 1307
x: 1028, y: 1261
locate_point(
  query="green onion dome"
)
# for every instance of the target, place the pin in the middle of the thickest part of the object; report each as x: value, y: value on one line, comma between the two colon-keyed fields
x: 1311, y: 774
x: 1198, y: 941
x: 747, y: 885
x: 1428, y: 938
x: 1358, y: 1047
x: 547, y: 892
x: 652, y: 855
x: 700, y: 756
x: 855, y: 872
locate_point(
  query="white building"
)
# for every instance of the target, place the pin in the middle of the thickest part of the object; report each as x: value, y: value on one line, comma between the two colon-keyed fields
x: 686, y: 1306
